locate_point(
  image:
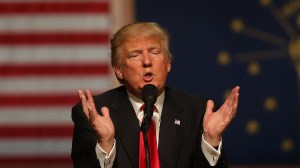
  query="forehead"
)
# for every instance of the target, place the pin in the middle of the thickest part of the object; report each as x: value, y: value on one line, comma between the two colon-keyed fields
x: 141, y: 42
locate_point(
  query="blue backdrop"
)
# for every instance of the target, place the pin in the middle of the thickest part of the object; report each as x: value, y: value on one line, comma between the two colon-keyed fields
x: 220, y: 44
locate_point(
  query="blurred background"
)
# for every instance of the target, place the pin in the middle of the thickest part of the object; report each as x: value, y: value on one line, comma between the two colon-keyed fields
x: 49, y: 49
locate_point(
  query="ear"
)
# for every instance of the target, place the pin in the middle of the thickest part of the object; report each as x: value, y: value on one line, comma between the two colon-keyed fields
x: 169, y: 65
x: 118, y: 71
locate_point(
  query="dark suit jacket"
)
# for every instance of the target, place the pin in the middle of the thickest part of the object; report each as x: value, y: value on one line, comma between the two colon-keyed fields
x: 179, y: 145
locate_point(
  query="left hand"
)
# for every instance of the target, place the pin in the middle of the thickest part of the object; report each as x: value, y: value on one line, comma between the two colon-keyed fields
x: 215, y: 123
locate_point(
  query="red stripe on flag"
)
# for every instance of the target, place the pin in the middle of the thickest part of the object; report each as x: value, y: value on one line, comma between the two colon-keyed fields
x: 36, y: 131
x: 52, y: 7
x: 55, y: 70
x: 53, y: 38
x: 35, y: 160
x: 38, y: 100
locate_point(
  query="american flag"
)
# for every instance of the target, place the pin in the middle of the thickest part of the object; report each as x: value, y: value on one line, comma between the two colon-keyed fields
x: 48, y: 50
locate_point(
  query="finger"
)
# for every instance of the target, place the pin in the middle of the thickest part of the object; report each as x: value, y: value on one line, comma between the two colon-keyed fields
x: 235, y: 95
x: 232, y: 99
x: 233, y: 104
x: 236, y: 99
x: 90, y: 99
x: 105, y: 112
x: 84, y: 103
x: 226, y: 105
x: 209, y: 108
x: 228, y: 100
x: 91, y: 114
x: 91, y: 105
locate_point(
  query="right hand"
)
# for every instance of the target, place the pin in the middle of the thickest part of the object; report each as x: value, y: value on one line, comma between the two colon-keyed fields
x: 102, y: 125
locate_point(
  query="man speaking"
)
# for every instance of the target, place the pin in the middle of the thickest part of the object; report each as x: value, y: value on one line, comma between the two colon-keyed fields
x: 182, y: 130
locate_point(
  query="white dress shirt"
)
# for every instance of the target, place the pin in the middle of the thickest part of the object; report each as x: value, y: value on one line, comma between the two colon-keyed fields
x: 107, y: 159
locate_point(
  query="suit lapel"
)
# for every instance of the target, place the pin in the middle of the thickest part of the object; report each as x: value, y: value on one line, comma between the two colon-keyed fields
x: 171, y: 131
x: 126, y: 126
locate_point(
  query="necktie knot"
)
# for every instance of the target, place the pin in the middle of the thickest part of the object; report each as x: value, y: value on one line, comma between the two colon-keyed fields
x: 155, y: 117
x: 142, y: 108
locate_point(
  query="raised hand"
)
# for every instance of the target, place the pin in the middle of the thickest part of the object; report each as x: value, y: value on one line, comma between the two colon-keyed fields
x: 102, y: 125
x: 215, y: 123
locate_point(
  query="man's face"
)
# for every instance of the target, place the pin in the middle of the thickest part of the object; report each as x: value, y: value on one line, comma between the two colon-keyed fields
x: 143, y: 61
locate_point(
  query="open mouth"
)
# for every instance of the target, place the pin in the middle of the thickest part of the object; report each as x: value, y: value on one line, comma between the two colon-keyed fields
x: 148, y: 77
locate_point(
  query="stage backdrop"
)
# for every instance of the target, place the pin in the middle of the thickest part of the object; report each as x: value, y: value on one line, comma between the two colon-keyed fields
x: 254, y: 44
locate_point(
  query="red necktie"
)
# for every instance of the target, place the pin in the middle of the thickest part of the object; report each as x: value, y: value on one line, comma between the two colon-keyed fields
x: 154, y: 159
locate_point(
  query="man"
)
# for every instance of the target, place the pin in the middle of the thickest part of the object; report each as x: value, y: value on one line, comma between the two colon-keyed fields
x: 107, y: 126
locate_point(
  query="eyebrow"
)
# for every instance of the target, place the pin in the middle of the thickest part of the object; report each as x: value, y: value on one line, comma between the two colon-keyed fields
x: 135, y: 50
x: 151, y: 47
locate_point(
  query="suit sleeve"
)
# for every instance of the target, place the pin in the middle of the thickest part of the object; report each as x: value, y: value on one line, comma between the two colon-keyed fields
x: 202, y: 162
x: 84, y: 141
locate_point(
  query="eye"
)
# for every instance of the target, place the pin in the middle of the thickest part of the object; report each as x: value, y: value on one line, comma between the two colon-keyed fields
x: 155, y: 51
x: 133, y: 55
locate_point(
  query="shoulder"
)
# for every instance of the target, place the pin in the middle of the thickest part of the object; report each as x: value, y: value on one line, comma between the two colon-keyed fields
x: 184, y: 97
x: 188, y: 99
x: 104, y: 99
x: 107, y: 96
x: 185, y: 100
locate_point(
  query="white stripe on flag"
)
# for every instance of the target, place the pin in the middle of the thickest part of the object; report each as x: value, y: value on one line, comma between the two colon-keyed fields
x: 37, y: 147
x: 54, y: 54
x: 35, y: 115
x: 35, y: 23
x: 57, y: 84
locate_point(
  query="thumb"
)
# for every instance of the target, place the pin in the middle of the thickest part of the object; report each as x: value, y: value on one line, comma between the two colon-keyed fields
x: 105, y: 112
x: 209, y: 107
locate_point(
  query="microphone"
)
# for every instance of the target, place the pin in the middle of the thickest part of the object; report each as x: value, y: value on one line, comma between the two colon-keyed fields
x: 149, y: 96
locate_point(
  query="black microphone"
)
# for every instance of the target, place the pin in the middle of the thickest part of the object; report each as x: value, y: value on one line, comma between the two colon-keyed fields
x: 149, y: 96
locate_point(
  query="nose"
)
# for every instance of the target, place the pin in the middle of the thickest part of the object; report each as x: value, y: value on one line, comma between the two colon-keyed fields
x: 146, y: 60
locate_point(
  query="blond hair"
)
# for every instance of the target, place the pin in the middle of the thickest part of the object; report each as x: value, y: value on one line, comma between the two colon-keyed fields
x: 138, y: 29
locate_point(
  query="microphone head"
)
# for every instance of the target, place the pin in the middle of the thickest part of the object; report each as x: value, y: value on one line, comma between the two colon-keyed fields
x: 149, y: 93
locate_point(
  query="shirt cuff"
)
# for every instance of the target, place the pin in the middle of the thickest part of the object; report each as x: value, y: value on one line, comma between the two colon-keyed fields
x: 106, y: 160
x: 212, y: 155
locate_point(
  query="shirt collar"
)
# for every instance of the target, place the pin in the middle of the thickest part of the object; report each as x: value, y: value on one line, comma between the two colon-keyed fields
x: 137, y: 103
